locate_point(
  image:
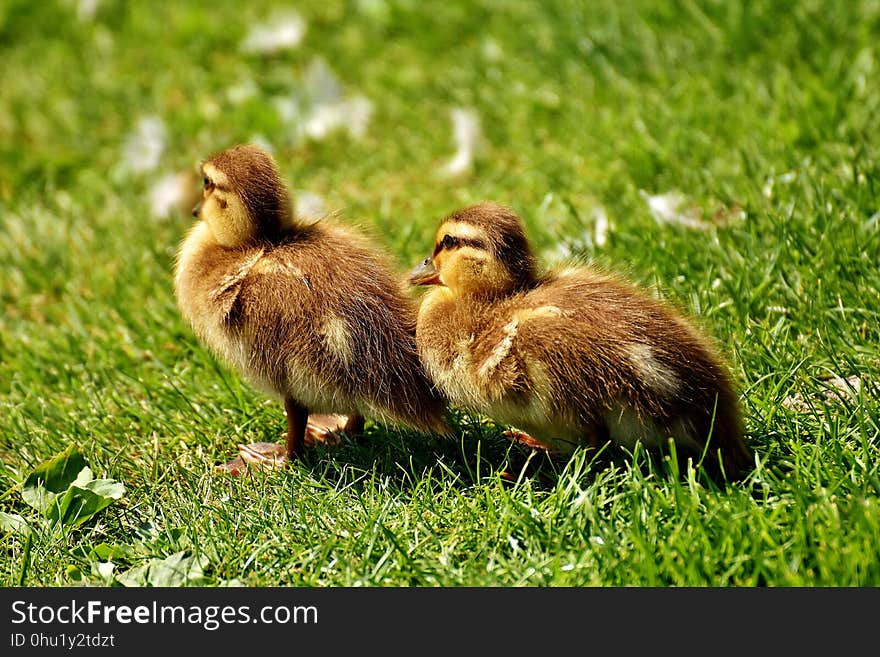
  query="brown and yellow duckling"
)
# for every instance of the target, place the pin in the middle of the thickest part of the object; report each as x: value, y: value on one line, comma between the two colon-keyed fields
x: 306, y: 312
x: 575, y: 357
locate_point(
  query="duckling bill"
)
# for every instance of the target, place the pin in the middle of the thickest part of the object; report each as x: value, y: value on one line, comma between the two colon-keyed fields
x: 568, y: 358
x: 308, y: 313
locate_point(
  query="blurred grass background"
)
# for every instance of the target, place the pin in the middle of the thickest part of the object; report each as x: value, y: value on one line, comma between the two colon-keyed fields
x: 761, y: 116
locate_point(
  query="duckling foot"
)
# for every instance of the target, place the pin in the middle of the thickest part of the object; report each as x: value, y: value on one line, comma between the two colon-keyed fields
x: 540, y: 458
x: 268, y: 456
x: 524, y: 439
x: 323, y: 429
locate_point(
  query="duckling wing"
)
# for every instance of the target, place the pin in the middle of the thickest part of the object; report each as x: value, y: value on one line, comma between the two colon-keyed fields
x: 582, y: 347
x: 330, y: 324
x: 320, y: 308
x: 296, y: 343
x: 505, y: 355
x: 208, y: 279
x: 558, y: 347
x: 225, y: 292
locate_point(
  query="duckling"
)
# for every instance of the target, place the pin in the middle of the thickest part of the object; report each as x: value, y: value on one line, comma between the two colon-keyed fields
x: 568, y: 358
x: 307, y: 312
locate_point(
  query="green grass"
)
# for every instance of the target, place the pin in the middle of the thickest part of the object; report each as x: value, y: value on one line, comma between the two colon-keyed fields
x: 772, y: 107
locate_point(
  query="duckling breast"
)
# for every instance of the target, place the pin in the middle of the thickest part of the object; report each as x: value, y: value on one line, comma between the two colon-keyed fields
x: 207, y: 282
x: 473, y: 351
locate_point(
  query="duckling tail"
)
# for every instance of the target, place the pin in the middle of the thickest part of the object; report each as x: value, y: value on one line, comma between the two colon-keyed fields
x: 728, y: 455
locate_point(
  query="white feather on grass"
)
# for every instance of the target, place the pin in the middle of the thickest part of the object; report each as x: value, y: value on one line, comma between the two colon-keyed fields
x: 174, y: 194
x: 262, y: 142
x: 242, y: 91
x: 349, y: 114
x: 85, y: 9
x: 319, y: 106
x: 554, y: 215
x: 673, y: 208
x: 601, y: 225
x: 308, y: 205
x: 466, y: 135
x: 835, y: 390
x: 280, y: 32
x: 143, y: 147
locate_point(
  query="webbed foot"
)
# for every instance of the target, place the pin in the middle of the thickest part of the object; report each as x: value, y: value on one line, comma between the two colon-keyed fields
x: 524, y: 439
x: 323, y: 429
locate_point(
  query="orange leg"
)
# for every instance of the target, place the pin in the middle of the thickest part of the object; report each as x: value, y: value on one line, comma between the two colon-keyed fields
x: 302, y: 432
x: 297, y: 419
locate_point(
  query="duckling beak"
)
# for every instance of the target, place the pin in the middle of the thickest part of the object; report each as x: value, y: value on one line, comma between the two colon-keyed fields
x: 425, y: 274
x: 196, y: 209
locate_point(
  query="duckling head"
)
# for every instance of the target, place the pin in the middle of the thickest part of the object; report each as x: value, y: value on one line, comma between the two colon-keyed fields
x: 479, y: 250
x: 244, y: 199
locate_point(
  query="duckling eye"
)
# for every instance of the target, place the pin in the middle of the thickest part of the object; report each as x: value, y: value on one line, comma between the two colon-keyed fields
x: 448, y: 242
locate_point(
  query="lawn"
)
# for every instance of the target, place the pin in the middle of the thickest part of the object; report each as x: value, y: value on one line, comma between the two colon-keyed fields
x: 723, y: 154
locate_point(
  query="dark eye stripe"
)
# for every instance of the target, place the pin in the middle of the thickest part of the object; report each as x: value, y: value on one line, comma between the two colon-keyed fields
x: 452, y: 242
x: 468, y: 241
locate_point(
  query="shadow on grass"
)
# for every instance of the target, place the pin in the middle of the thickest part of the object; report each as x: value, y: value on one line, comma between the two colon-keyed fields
x: 478, y: 453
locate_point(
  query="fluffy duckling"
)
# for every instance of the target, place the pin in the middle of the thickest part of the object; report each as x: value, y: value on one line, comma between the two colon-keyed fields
x: 570, y: 358
x: 306, y: 312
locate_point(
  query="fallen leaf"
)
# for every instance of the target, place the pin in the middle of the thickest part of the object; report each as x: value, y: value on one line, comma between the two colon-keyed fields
x: 64, y: 489
x: 52, y: 477
x: 14, y: 523
x: 177, y: 569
